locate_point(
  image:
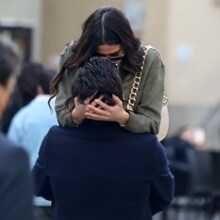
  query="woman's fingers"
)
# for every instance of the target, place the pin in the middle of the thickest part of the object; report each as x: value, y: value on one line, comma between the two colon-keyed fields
x: 99, y: 110
x: 116, y: 99
x: 88, y: 100
x: 98, y: 103
x: 95, y: 103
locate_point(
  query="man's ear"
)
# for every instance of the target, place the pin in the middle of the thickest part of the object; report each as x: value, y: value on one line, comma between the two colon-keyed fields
x: 40, y: 90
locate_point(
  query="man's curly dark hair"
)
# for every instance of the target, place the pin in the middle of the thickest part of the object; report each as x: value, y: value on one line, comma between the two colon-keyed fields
x: 98, y: 76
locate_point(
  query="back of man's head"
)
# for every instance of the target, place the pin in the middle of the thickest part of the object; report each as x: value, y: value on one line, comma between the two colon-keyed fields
x: 32, y: 76
x: 8, y: 62
x: 45, y: 78
x: 98, y: 76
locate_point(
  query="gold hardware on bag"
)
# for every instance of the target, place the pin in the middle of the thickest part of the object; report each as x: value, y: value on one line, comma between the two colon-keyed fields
x: 165, y: 98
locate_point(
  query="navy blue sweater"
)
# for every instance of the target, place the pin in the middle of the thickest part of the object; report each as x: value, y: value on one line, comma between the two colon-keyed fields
x: 102, y: 172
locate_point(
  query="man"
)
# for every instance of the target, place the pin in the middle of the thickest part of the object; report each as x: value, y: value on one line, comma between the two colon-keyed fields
x: 98, y: 170
x: 15, y: 182
x: 31, y: 123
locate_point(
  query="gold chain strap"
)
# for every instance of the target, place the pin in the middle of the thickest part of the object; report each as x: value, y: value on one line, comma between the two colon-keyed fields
x: 135, y: 85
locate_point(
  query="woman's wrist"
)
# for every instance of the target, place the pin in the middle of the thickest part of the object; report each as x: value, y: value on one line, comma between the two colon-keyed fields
x: 124, y: 119
x: 76, y: 119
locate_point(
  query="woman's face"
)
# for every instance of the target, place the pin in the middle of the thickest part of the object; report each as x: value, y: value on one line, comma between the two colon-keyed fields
x: 114, y: 52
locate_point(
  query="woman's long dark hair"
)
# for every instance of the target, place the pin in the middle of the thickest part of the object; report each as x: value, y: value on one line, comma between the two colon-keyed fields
x: 107, y: 25
x: 98, y: 76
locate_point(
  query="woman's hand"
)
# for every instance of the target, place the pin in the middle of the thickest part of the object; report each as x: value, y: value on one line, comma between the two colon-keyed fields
x: 100, y: 111
x: 78, y: 113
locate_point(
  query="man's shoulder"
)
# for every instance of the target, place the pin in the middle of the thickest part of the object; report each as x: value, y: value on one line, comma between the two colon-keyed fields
x: 5, y: 142
x: 38, y: 107
x: 55, y: 131
x: 21, y: 114
x: 151, y: 146
x: 10, y: 151
x: 58, y: 132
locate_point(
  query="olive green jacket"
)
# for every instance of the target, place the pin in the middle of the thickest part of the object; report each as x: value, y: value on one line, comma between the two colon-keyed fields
x: 147, y: 108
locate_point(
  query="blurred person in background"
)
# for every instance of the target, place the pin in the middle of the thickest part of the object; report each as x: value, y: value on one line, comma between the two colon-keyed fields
x: 196, y: 136
x: 176, y: 148
x: 100, y: 171
x: 187, y: 139
x: 25, y: 91
x: 31, y: 123
x: 15, y: 182
x: 107, y: 32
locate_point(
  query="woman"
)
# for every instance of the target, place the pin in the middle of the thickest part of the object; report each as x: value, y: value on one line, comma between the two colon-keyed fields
x: 100, y: 170
x: 107, y: 32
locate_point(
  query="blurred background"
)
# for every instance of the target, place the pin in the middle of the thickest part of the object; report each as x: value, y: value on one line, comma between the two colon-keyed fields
x: 186, y: 33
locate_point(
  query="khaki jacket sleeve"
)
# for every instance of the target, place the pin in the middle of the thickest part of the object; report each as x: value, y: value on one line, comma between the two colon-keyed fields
x: 147, y: 110
x: 64, y: 91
